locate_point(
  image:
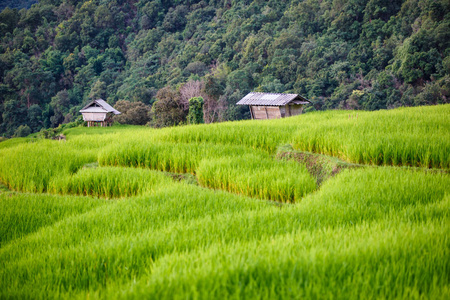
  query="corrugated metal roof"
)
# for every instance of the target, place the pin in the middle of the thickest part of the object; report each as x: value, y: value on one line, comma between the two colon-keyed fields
x: 104, y: 107
x: 272, y: 99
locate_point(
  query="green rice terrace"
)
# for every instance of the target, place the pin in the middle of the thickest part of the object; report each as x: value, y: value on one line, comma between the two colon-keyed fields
x: 325, y: 205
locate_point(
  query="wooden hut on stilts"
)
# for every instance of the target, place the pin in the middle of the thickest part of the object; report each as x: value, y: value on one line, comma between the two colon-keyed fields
x: 98, y: 113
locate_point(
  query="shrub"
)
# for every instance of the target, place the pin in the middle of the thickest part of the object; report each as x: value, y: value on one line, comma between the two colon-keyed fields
x: 168, y: 109
x: 195, y: 115
x: 22, y: 131
x: 134, y: 113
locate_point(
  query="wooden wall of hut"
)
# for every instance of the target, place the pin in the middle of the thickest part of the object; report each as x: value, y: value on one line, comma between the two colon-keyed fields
x: 275, y: 112
x: 293, y: 110
x: 265, y: 112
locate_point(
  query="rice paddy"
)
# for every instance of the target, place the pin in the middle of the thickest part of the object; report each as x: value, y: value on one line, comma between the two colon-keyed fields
x: 100, y: 216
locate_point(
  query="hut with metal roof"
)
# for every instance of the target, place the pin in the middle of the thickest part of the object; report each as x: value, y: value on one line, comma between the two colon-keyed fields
x: 273, y: 106
x: 98, y: 113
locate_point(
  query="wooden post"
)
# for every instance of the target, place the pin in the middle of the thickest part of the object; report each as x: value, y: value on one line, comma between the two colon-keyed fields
x: 251, y: 112
x: 267, y: 114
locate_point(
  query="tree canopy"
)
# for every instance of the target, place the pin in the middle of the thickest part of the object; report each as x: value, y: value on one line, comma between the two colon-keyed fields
x: 57, y: 55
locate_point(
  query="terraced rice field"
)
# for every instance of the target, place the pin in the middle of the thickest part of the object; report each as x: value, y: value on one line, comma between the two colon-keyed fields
x: 212, y: 212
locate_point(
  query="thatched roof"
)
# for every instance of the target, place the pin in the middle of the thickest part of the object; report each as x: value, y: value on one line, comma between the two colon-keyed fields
x: 272, y: 99
x: 99, y: 106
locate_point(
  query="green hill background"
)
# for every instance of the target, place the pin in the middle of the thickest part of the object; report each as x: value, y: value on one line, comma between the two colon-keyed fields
x: 377, y: 54
x: 16, y: 4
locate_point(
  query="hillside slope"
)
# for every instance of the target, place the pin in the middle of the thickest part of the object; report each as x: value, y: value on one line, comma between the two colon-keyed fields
x: 18, y: 4
x: 104, y: 215
x: 353, y: 54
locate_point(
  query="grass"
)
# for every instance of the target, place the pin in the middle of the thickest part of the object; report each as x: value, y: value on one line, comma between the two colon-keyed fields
x: 13, y: 142
x: 184, y: 240
x: 3, y: 188
x: 168, y: 157
x: 346, y: 232
x: 254, y: 176
x: 321, y: 167
x: 30, y: 167
x: 371, y: 262
x: 109, y: 182
x: 24, y: 214
x: 407, y: 136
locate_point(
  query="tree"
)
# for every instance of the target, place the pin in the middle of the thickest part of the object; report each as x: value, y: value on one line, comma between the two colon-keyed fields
x: 128, y: 50
x: 8, y: 20
x: 133, y: 113
x: 98, y: 90
x: 31, y: 82
x: 22, y: 131
x: 35, y: 117
x: 168, y: 109
x: 197, y: 67
x: 14, y: 114
x: 195, y: 115
x: 60, y: 104
x: 191, y: 89
x: 175, y: 19
x: 103, y: 17
x: 239, y: 80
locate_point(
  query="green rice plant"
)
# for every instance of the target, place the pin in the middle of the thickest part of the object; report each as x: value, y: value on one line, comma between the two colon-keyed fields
x: 13, y: 142
x: 109, y: 182
x: 23, y: 214
x: 374, y: 232
x: 106, y: 265
x: 134, y: 224
x: 167, y: 157
x: 265, y: 135
x: 361, y: 195
x: 99, y: 131
x: 381, y: 260
x: 185, y: 217
x: 101, y: 140
x: 150, y: 244
x: 408, y: 136
x: 257, y: 176
x: 29, y: 167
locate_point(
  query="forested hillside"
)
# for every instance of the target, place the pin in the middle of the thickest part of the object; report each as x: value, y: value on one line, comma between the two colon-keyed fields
x: 16, y: 4
x: 355, y: 54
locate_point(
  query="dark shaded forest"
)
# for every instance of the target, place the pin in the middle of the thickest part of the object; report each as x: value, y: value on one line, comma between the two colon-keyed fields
x: 16, y: 4
x: 59, y: 54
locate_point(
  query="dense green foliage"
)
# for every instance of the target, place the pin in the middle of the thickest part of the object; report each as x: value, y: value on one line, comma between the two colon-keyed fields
x: 17, y: 4
x: 134, y: 113
x: 195, y: 115
x: 366, y: 233
x: 350, y: 54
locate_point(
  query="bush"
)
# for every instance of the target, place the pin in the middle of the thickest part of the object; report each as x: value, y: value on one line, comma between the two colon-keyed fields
x: 195, y: 115
x: 168, y: 110
x: 22, y: 131
x: 134, y: 113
